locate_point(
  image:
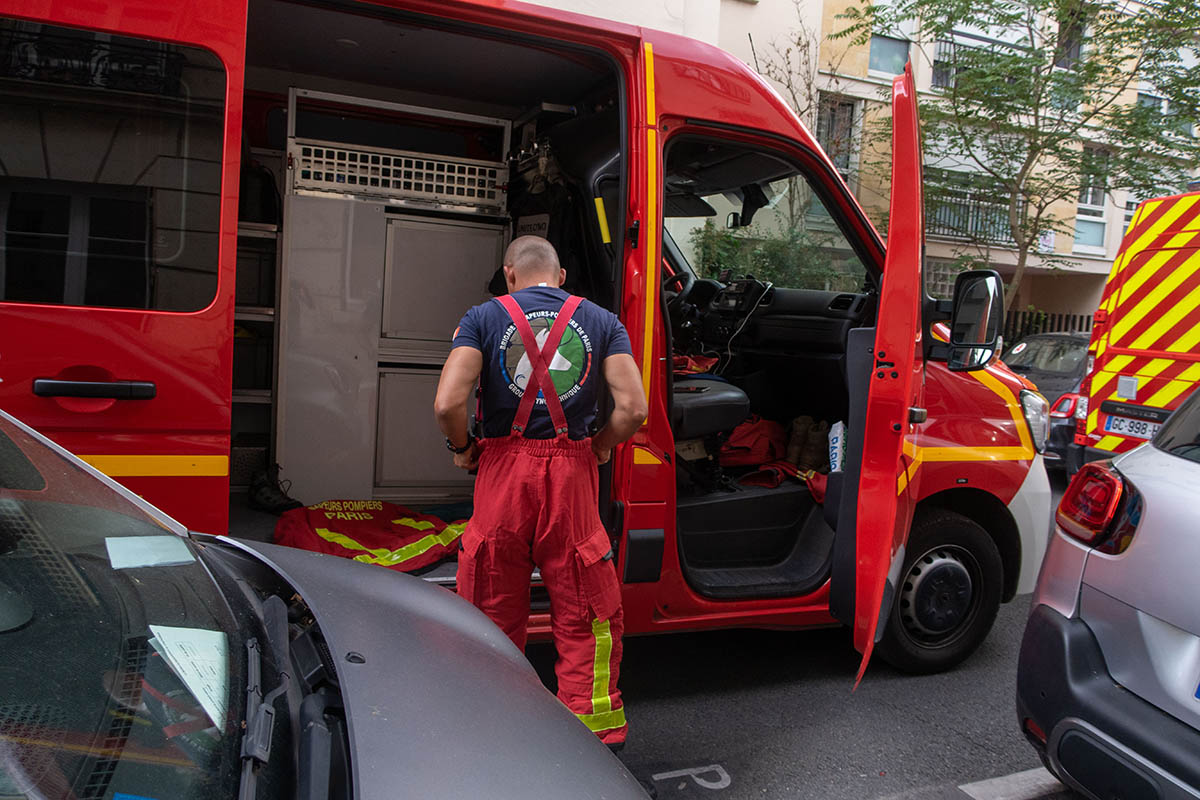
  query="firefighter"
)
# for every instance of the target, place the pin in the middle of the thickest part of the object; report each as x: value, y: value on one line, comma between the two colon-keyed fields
x: 538, y: 354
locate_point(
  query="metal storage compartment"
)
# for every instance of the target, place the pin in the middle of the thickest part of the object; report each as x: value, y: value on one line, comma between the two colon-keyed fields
x: 434, y: 271
x: 410, y: 454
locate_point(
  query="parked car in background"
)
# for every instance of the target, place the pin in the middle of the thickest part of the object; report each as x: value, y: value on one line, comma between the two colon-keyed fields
x: 1108, y: 679
x: 139, y: 661
x: 1056, y: 363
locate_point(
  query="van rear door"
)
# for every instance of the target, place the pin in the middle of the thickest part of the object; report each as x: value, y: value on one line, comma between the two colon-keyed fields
x: 120, y: 146
x: 896, y: 384
x: 1148, y: 326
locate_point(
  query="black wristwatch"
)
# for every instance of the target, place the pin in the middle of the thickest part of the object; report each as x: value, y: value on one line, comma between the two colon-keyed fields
x: 460, y: 450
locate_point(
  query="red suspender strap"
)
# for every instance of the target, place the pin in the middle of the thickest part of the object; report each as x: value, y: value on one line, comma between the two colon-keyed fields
x: 539, y: 377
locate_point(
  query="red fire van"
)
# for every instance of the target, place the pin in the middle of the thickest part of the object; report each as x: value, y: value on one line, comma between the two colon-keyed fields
x: 229, y: 219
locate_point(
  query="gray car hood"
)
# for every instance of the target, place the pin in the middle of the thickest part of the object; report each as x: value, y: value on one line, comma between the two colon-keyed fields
x: 443, y: 704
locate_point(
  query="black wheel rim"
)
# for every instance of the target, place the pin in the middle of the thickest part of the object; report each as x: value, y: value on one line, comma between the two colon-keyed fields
x: 940, y: 596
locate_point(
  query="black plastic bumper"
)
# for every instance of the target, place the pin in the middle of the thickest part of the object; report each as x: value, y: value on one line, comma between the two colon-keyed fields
x: 1061, y: 437
x: 1078, y: 455
x: 1099, y: 735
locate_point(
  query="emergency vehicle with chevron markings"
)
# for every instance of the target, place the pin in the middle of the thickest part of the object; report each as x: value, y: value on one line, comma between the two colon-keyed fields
x: 235, y: 228
x: 1144, y: 351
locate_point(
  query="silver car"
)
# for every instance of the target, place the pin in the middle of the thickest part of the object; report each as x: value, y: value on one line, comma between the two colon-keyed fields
x: 138, y: 660
x: 1108, y: 682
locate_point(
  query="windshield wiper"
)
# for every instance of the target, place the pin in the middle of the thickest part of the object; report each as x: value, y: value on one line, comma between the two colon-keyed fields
x: 260, y: 721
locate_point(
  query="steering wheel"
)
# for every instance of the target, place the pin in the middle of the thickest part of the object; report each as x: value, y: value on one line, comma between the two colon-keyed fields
x: 682, y: 279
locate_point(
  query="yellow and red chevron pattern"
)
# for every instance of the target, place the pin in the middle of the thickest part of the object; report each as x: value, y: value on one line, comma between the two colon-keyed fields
x: 1146, y: 342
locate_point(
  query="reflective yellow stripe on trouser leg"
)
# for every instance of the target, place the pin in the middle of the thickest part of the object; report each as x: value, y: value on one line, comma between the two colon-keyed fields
x: 603, y: 717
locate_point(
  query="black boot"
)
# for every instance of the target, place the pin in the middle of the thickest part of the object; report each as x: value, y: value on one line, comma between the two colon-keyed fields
x: 268, y: 493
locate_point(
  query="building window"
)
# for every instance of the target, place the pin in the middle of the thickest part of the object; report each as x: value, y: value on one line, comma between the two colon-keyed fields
x: 835, y: 131
x: 888, y: 55
x: 1068, y: 50
x: 1130, y: 210
x: 1150, y: 101
x: 944, y: 60
x: 1089, y: 215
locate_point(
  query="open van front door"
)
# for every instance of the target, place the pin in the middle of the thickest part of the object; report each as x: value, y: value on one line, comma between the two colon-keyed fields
x: 896, y: 384
x: 120, y: 141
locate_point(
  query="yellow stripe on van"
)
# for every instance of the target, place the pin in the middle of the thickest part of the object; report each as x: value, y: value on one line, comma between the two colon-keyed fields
x: 1166, y: 395
x: 651, y: 222
x: 1185, y: 343
x: 143, y: 466
x: 1160, y: 225
x: 1168, y: 318
x: 1014, y: 408
x: 1024, y: 452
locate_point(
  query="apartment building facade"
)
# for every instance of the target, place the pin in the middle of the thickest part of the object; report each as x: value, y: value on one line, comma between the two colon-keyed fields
x: 840, y: 89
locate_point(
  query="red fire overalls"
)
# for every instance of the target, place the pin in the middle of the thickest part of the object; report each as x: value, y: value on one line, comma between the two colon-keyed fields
x: 536, y: 503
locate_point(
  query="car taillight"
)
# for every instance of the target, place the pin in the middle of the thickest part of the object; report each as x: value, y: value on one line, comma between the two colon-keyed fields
x: 1101, y: 508
x: 1065, y: 407
x: 1081, y: 406
x: 1090, y: 502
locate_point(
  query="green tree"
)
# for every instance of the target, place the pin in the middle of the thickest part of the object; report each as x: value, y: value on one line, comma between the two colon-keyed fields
x: 791, y: 254
x: 1034, y: 108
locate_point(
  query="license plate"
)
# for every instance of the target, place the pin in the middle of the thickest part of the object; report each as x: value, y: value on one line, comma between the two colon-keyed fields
x: 1137, y: 428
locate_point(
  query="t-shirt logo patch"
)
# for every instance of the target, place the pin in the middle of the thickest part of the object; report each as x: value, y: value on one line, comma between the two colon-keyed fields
x: 569, y: 368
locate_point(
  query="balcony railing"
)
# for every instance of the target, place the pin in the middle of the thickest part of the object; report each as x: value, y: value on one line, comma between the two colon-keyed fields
x: 968, y: 216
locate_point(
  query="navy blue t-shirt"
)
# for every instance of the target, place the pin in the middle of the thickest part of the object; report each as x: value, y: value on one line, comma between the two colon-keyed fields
x: 592, y: 335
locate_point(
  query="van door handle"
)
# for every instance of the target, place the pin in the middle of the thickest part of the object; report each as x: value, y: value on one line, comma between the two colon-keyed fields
x: 115, y: 390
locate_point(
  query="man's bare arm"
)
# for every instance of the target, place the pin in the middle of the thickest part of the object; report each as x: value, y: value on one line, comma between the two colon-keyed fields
x: 629, y: 404
x: 459, y: 376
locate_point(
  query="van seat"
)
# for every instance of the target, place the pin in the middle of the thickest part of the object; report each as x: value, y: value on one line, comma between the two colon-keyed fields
x: 704, y: 407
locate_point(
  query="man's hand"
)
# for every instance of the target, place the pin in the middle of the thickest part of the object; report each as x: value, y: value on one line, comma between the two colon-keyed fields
x: 603, y: 454
x: 459, y: 375
x: 469, y: 458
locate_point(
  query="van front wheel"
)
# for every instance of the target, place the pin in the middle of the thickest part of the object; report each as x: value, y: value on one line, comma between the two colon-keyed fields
x: 948, y: 596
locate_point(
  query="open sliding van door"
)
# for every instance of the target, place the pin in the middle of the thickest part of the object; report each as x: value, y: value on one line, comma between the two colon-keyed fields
x: 896, y: 386
x: 119, y: 153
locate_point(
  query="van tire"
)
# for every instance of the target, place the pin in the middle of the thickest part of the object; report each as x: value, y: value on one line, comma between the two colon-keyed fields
x: 948, y: 596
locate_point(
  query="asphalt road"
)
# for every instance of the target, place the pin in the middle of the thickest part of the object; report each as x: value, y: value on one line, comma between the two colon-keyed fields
x: 769, y: 714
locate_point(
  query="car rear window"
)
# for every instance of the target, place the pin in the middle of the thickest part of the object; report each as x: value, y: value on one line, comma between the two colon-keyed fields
x: 1060, y: 356
x: 1180, y: 435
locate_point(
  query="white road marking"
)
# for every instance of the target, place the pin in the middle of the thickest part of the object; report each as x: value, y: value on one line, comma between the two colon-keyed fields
x: 1028, y: 785
x: 695, y: 773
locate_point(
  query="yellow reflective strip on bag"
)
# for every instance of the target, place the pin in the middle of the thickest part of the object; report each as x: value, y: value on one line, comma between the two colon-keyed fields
x: 602, y: 631
x: 597, y: 723
x: 409, y: 522
x: 388, y: 557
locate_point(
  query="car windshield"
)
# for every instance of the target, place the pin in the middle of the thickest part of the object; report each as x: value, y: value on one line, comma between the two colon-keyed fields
x: 122, y: 668
x: 1060, y: 356
x: 1180, y: 435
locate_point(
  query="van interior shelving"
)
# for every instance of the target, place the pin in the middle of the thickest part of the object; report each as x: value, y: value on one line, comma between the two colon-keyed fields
x: 413, y: 151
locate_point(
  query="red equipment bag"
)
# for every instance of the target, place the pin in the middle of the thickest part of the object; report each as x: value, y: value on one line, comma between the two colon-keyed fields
x: 371, y: 531
x: 773, y: 473
x: 756, y: 441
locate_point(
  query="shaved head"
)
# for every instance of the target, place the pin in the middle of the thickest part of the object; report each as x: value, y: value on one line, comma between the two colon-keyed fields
x: 531, y: 255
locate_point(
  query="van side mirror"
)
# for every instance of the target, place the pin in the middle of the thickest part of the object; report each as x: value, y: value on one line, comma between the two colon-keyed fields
x: 976, y: 320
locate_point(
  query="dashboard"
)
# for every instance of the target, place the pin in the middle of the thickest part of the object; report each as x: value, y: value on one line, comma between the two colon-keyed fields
x: 765, y: 318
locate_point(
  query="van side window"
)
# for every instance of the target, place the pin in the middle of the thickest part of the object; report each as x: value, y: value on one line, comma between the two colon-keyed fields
x: 729, y: 207
x: 110, y: 169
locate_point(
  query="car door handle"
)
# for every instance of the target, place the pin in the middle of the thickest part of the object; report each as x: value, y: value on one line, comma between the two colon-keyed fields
x: 115, y: 390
